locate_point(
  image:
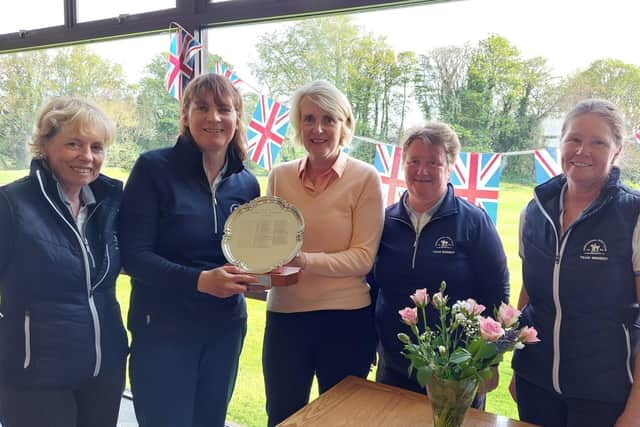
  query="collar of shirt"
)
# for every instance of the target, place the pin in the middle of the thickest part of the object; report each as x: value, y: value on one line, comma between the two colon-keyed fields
x: 86, y: 196
x: 322, y: 181
x: 420, y: 219
x: 218, y: 178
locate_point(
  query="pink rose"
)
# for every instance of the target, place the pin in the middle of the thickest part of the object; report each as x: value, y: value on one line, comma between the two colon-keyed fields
x: 528, y: 335
x: 473, y: 307
x: 420, y: 297
x: 439, y: 299
x: 409, y: 315
x: 508, y: 315
x: 490, y: 329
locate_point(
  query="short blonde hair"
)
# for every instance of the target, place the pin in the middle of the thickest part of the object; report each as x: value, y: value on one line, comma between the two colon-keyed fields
x: 433, y: 133
x: 79, y: 114
x: 220, y: 88
x: 328, y: 98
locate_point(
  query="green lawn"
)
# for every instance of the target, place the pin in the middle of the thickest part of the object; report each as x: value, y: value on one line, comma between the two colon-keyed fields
x: 247, y: 406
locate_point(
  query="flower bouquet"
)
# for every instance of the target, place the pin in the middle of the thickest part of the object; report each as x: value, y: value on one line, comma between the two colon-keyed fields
x: 454, y: 357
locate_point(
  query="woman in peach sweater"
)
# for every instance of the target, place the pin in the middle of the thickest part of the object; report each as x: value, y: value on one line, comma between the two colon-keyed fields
x: 323, y: 325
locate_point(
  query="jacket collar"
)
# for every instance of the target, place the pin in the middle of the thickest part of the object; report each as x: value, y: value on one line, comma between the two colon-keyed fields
x: 191, y: 157
x: 102, y: 187
x: 448, y: 207
x: 548, y: 193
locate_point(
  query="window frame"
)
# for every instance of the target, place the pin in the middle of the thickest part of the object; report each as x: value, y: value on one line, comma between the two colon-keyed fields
x: 193, y: 15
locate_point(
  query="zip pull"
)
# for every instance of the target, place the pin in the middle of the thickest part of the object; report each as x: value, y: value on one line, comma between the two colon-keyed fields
x: 86, y: 245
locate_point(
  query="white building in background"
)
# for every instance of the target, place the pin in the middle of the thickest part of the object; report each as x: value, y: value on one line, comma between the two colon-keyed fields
x: 551, y: 128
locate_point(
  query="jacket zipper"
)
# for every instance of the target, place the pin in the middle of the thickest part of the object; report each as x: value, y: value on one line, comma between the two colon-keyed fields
x: 417, y: 239
x: 27, y: 339
x: 628, y: 361
x: 85, y: 258
x: 557, y: 322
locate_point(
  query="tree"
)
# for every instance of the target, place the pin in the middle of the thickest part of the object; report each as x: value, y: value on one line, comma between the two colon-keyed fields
x: 23, y: 87
x: 31, y: 79
x: 158, y: 112
x: 494, y: 98
x: 407, y: 69
x: 610, y: 79
x: 619, y: 83
x: 441, y: 76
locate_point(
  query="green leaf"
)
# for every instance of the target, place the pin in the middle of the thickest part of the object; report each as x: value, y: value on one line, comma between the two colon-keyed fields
x: 423, y: 374
x: 459, y: 356
x: 487, y: 350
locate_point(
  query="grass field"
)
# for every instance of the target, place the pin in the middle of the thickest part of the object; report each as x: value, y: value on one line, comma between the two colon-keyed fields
x: 247, y: 406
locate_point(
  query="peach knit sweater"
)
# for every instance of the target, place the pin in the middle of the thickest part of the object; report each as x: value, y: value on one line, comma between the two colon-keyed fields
x: 342, y: 230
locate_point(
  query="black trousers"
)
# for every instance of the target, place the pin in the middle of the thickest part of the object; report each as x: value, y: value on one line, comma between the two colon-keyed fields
x: 550, y: 409
x: 92, y: 403
x: 330, y: 344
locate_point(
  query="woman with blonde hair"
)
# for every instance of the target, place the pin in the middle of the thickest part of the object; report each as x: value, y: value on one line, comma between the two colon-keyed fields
x: 323, y: 325
x: 62, y: 342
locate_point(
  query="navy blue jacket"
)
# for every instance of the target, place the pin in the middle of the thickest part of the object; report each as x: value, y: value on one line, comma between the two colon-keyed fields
x: 459, y: 245
x: 580, y: 288
x: 171, y: 227
x: 62, y: 323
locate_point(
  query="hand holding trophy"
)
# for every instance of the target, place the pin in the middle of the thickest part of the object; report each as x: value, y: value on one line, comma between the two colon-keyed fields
x: 261, y: 236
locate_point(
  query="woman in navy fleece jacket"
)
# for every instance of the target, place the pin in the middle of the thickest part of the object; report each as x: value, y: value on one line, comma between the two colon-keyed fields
x: 187, y: 315
x: 429, y: 236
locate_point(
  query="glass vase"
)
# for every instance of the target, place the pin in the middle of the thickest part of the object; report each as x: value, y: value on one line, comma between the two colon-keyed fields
x: 450, y: 400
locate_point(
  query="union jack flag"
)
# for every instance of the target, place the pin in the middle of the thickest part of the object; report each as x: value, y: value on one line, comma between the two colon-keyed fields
x: 223, y: 70
x: 388, y: 161
x: 181, y: 62
x: 547, y: 164
x: 476, y: 178
x: 266, y: 131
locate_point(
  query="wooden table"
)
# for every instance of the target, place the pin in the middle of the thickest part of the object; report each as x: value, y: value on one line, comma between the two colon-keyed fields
x: 358, y: 402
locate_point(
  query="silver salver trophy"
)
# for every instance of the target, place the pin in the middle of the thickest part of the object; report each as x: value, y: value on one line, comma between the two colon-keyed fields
x: 263, y: 235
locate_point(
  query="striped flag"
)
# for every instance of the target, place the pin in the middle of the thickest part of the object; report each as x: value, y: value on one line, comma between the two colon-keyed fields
x: 180, y: 68
x: 223, y: 70
x: 476, y: 178
x: 547, y: 161
x: 266, y: 131
x: 388, y: 163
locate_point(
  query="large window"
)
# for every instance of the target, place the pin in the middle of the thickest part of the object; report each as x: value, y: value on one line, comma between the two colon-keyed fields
x: 91, y: 10
x: 526, y: 61
x: 23, y: 16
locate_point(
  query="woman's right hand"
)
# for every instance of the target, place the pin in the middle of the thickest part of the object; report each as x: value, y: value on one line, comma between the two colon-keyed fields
x: 512, y: 388
x: 225, y: 281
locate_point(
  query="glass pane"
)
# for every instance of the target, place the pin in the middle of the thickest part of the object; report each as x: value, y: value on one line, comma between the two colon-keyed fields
x: 90, y: 10
x: 23, y: 15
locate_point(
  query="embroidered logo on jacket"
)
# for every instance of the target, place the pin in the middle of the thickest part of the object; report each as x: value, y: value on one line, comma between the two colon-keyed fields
x: 595, y: 250
x: 444, y: 245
